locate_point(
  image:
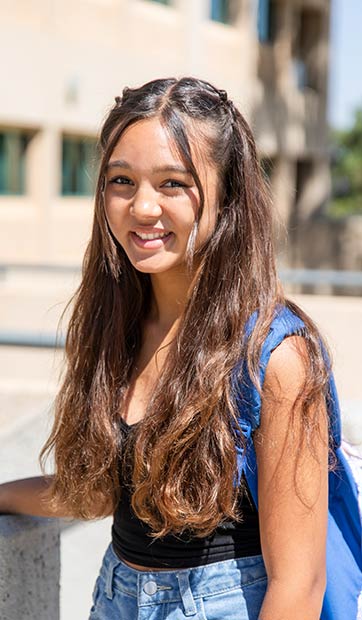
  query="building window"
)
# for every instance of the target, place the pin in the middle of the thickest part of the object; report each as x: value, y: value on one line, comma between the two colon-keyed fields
x: 221, y: 11
x: 78, y: 166
x: 13, y: 147
x: 306, y: 49
x: 267, y: 20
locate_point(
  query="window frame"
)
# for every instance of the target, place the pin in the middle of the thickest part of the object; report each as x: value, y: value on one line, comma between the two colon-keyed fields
x: 267, y: 21
x: 164, y: 2
x: 13, y: 160
x: 78, y: 165
x: 221, y: 12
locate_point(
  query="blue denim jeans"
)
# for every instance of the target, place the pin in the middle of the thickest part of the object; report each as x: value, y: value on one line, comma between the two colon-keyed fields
x: 228, y: 590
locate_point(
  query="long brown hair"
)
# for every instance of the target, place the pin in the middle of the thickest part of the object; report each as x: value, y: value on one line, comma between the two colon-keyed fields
x: 185, y: 458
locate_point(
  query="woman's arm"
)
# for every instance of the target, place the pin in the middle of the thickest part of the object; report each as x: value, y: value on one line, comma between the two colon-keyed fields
x: 29, y: 496
x: 293, y: 491
x: 26, y: 496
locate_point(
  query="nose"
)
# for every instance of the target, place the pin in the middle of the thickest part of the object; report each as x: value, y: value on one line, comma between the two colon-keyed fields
x: 145, y: 204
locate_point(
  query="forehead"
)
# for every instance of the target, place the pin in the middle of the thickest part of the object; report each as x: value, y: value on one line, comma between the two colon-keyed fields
x: 146, y: 135
x: 149, y: 139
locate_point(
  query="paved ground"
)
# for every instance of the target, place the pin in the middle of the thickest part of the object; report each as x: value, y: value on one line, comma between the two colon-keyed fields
x: 340, y: 321
x: 82, y: 544
x: 28, y: 379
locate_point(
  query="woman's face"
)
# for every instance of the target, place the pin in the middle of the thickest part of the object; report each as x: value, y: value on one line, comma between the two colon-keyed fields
x: 151, y: 200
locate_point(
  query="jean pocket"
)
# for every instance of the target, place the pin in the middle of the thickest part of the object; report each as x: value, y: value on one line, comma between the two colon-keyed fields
x: 230, y: 604
x: 95, y: 595
x: 240, y: 603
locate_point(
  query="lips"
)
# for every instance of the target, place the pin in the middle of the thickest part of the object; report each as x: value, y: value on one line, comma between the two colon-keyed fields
x: 152, y: 243
x: 153, y: 235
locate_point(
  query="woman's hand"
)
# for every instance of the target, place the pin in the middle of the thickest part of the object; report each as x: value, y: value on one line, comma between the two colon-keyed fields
x: 293, y: 491
x: 26, y: 496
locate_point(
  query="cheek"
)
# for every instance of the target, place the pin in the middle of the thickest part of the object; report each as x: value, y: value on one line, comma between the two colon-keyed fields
x: 115, y: 212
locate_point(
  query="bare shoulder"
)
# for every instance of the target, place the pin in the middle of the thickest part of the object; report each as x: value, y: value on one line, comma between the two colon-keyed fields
x: 288, y: 366
x: 293, y: 395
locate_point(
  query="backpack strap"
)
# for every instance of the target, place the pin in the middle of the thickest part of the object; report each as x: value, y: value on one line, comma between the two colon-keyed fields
x: 343, y: 595
x: 285, y: 323
x: 247, y: 397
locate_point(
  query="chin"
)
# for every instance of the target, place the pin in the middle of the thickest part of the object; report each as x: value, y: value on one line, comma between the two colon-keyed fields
x: 151, y: 268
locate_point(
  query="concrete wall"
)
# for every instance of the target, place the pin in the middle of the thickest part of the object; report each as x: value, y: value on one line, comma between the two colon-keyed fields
x: 331, y: 243
x: 29, y: 568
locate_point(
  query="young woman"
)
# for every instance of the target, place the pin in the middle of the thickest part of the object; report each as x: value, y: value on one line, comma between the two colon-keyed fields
x: 147, y: 422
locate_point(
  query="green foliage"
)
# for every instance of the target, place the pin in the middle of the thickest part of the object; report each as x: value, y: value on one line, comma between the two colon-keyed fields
x: 347, y: 169
x: 348, y: 205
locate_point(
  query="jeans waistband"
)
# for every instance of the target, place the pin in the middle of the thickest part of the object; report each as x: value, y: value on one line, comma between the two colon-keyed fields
x: 152, y: 587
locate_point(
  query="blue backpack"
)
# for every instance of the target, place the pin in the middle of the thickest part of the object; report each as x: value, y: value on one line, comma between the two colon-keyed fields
x: 343, y: 595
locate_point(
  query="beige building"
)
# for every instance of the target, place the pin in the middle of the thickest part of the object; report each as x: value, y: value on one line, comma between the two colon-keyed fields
x: 63, y: 61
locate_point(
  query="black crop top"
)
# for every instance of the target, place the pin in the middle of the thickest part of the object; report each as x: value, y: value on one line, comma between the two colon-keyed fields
x: 131, y: 540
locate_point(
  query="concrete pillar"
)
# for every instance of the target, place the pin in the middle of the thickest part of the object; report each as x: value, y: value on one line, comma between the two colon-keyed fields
x: 44, y: 173
x: 29, y: 568
x: 195, y: 14
x: 283, y: 191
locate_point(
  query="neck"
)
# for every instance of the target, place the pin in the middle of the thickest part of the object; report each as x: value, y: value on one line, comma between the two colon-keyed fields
x: 169, y: 297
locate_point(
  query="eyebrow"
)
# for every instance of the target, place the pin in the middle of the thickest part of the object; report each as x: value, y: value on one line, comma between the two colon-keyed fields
x: 120, y: 163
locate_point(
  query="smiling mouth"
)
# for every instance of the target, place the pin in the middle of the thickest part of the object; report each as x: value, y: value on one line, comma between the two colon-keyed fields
x: 149, y: 236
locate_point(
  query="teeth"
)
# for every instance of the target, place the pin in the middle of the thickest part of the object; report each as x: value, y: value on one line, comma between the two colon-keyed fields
x: 151, y: 235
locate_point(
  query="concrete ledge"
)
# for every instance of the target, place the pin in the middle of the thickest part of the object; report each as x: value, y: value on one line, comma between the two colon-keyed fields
x: 29, y: 568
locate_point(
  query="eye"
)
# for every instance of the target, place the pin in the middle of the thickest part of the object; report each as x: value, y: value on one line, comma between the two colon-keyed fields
x: 173, y: 183
x: 121, y: 181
